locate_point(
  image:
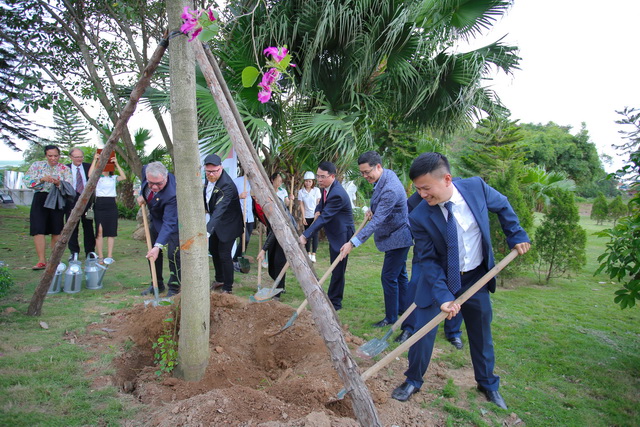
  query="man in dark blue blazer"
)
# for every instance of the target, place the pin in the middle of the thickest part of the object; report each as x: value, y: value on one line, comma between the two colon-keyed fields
x: 469, y: 202
x: 158, y: 191
x: 335, y: 215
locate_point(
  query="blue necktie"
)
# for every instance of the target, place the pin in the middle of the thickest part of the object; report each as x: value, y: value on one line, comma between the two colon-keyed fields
x: 453, y: 262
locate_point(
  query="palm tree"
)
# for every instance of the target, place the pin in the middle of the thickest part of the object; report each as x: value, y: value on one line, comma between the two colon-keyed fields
x: 539, y: 185
x: 363, y: 67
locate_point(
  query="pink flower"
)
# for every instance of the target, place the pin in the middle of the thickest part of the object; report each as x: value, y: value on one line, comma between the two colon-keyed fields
x: 276, y: 53
x: 212, y: 17
x: 270, y: 77
x: 264, y: 95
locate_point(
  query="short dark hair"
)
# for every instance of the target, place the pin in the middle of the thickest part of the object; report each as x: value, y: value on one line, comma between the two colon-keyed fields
x: 371, y: 158
x: 274, y: 176
x: 327, y: 166
x: 427, y: 163
x: 50, y: 147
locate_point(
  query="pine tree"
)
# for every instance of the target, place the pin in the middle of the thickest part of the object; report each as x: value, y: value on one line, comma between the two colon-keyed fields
x: 617, y: 209
x: 70, y: 129
x: 560, y: 242
x: 600, y: 209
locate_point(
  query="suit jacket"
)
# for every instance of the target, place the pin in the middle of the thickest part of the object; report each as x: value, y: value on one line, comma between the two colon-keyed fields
x: 429, y: 231
x: 224, y: 209
x: 336, y: 217
x: 163, y: 209
x: 390, y: 221
x: 86, y: 166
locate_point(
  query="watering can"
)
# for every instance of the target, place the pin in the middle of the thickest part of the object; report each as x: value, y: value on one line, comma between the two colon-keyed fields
x: 73, y: 277
x: 102, y: 269
x: 56, y: 283
x: 92, y: 271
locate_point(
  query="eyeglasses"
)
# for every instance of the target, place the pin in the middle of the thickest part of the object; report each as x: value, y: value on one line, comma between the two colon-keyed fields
x: 213, y: 172
x: 77, y: 157
x: 155, y: 184
x: 367, y: 173
x: 322, y: 176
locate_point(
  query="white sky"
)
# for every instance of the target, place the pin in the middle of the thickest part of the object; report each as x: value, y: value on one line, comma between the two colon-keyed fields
x: 579, y: 64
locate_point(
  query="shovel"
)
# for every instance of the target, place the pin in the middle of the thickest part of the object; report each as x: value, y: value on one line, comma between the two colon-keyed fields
x: 377, y: 345
x: 295, y: 315
x: 435, y: 321
x: 243, y: 262
x: 265, y: 294
x: 154, y: 275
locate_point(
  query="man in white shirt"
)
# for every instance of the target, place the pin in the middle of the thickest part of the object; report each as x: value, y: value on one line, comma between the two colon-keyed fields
x: 79, y: 174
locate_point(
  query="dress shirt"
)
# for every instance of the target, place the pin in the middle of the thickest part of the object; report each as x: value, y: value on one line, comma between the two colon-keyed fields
x: 469, y: 237
x: 74, y: 174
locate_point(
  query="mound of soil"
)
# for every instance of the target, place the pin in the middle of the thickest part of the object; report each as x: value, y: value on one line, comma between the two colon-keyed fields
x: 253, y: 378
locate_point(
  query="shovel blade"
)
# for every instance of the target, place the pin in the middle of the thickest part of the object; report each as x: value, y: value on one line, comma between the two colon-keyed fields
x: 265, y: 294
x: 372, y: 348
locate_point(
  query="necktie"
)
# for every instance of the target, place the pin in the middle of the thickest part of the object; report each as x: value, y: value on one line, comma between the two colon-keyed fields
x: 453, y: 262
x: 324, y: 195
x: 79, y: 183
x: 150, y: 196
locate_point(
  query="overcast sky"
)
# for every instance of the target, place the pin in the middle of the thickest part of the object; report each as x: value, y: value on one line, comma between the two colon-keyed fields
x: 580, y: 63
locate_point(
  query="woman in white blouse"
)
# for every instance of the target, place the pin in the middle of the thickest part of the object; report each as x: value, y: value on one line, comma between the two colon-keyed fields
x: 309, y: 197
x: 105, y: 208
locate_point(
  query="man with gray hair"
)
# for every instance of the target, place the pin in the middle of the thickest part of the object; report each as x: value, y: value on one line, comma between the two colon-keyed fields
x: 158, y: 192
x: 80, y: 175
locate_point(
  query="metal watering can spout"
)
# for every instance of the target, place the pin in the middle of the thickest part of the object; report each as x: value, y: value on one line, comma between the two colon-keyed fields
x: 103, y: 269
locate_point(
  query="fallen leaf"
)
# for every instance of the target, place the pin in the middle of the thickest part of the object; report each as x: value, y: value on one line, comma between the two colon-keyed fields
x: 44, y: 325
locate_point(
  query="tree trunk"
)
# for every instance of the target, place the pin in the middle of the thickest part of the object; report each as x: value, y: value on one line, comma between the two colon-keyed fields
x: 324, y: 316
x: 193, y: 344
x: 35, y: 306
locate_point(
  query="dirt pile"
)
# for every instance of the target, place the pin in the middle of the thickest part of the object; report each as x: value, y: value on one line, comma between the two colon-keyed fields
x: 253, y: 378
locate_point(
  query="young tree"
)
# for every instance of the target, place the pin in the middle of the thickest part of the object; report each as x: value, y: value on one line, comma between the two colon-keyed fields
x: 621, y: 259
x: 600, y: 209
x: 617, y: 209
x: 69, y: 127
x: 560, y: 242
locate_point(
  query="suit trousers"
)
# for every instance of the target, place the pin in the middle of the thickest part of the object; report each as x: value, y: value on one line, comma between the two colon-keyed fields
x: 336, y: 286
x: 477, y: 315
x: 173, y: 254
x: 248, y: 229
x: 222, y: 261
x: 87, y: 229
x: 395, y: 283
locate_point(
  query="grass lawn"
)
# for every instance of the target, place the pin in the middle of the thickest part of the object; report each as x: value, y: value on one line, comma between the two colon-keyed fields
x: 565, y: 353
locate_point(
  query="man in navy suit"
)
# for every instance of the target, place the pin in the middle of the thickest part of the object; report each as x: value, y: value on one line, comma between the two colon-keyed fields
x: 390, y: 225
x: 335, y: 215
x: 224, y: 220
x: 80, y: 175
x: 158, y: 191
x: 468, y: 203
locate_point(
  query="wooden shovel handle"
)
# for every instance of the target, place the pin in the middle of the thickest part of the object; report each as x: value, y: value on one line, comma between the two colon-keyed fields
x: 440, y: 317
x: 147, y: 234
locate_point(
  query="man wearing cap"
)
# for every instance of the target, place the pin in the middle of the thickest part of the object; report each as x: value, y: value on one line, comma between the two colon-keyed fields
x: 389, y: 222
x: 224, y: 220
x: 158, y: 192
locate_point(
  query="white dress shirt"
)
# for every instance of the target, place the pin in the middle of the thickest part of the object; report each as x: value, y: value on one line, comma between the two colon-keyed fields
x: 469, y: 237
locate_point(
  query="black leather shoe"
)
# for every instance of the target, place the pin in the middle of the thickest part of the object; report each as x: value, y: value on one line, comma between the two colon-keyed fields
x: 149, y: 290
x: 404, y: 392
x: 493, y: 396
x: 215, y: 285
x: 381, y: 324
x: 403, y: 336
x: 456, y: 342
x: 173, y: 292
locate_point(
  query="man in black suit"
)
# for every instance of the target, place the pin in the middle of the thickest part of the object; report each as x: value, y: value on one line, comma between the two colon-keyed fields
x: 224, y: 220
x: 158, y: 191
x: 80, y: 174
x: 335, y: 215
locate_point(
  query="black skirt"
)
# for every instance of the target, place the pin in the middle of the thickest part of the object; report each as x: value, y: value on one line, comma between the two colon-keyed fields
x: 43, y: 220
x: 106, y: 214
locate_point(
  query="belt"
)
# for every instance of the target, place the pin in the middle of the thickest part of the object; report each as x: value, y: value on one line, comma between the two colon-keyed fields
x: 462, y: 273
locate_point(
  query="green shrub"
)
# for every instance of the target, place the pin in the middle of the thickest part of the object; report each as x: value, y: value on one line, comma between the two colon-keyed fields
x: 125, y: 212
x: 600, y: 209
x: 6, y: 281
